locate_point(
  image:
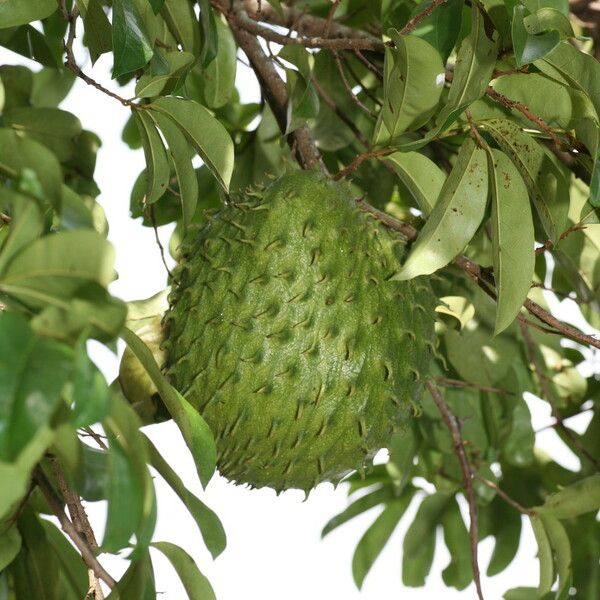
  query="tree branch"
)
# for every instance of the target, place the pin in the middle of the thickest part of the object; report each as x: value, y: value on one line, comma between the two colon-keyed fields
x: 493, y: 486
x: 412, y: 24
x: 84, y: 548
x: 467, y: 474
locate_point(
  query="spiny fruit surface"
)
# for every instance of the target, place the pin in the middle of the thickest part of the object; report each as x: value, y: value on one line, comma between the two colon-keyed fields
x: 288, y: 334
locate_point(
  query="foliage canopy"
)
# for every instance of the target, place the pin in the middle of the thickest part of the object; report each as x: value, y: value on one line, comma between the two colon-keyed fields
x: 471, y: 129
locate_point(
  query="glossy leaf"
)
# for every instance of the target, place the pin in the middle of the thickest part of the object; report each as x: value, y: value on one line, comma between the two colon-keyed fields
x: 512, y: 237
x: 17, y: 12
x: 544, y: 556
x: 413, y: 84
x: 195, y: 583
x: 574, y: 500
x: 473, y: 70
x: 33, y: 372
x: 98, y: 33
x: 206, y: 134
x: 137, y: 582
x: 458, y: 573
x: 194, y: 429
x: 458, y: 307
x: 30, y: 43
x: 419, y: 541
x: 132, y: 46
x: 157, y: 163
x: 421, y: 176
x: 376, y: 537
x: 219, y: 75
x: 455, y: 217
x: 527, y: 46
x: 156, y: 84
x: 506, y: 528
x: 210, y: 37
x: 183, y: 24
x: 208, y: 522
x: 180, y: 151
x: 18, y: 153
x: 561, y: 547
x: 546, y: 186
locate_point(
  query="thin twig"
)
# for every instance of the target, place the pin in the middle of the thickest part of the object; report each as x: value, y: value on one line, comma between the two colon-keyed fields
x: 5, y: 218
x: 330, y: 15
x: 549, y: 243
x: 157, y: 238
x: 359, y: 160
x: 96, y: 437
x: 548, y: 395
x: 365, y: 61
x: 467, y: 475
x: 557, y: 423
x: 85, y: 550
x: 493, y: 486
x: 71, y: 62
x: 474, y: 132
x: 412, y: 24
x: 348, y: 87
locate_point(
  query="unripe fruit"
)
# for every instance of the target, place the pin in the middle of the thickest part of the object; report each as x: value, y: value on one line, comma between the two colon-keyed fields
x: 288, y: 333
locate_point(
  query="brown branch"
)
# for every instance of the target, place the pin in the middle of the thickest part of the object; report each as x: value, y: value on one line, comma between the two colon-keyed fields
x: 157, y: 239
x: 5, y: 218
x: 467, y: 475
x: 549, y: 243
x: 372, y: 67
x: 412, y: 24
x: 525, y: 111
x: 493, y: 486
x: 71, y: 62
x: 348, y: 87
x: 458, y: 383
x: 548, y: 395
x: 359, y: 160
x: 330, y: 15
x: 306, y: 24
x: 84, y: 548
x: 96, y: 437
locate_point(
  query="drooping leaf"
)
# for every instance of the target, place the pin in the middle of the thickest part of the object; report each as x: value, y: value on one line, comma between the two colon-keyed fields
x: 195, y: 583
x: 421, y: 176
x: 132, y: 45
x: 506, y: 528
x: 180, y: 151
x: 183, y: 24
x: 193, y: 427
x: 208, y: 522
x: 561, y: 547
x: 17, y: 12
x: 512, y: 238
x: 157, y: 163
x: 458, y: 573
x: 98, y: 33
x: 219, y: 75
x: 574, y: 500
x: 413, y: 85
x: 529, y: 47
x: 455, y: 217
x: 546, y: 185
x: 544, y: 556
x: 137, y: 582
x: 473, y: 70
x: 155, y: 84
x: 376, y: 537
x: 206, y: 134
x: 30, y: 43
x: 10, y: 545
x: 210, y: 37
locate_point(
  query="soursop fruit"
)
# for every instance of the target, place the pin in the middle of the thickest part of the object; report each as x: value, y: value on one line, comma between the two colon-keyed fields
x: 287, y: 331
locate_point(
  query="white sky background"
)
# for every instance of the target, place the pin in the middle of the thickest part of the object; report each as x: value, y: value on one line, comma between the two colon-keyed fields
x: 274, y: 550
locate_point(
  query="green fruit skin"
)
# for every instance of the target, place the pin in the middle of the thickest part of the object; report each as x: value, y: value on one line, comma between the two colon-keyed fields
x: 287, y: 334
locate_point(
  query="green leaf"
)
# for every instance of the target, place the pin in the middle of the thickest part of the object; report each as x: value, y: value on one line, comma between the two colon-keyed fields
x: 303, y: 101
x: 98, y: 32
x: 18, y: 152
x: 547, y: 187
x: 458, y: 307
x: 473, y: 70
x: 528, y: 47
x: 421, y: 176
x: 94, y: 483
x: 195, y: 583
x: 137, y: 583
x: 151, y: 84
x: 455, y: 217
x: 376, y: 537
x: 51, y: 87
x: 56, y: 129
x: 413, y: 84
x: 10, y: 544
x: 208, y: 522
x: 219, y: 75
x: 441, y: 27
x: 419, y: 541
x: 206, y: 134
x: 522, y: 593
x: 506, y: 528
x: 183, y: 24
x: 132, y: 45
x: 561, y: 547
x: 17, y: 12
x: 180, y: 152
x: 574, y: 500
x: 193, y: 427
x: 157, y: 163
x: 30, y: 43
x: 33, y: 373
x: 548, y: 19
x: 210, y: 37
x: 131, y: 500
x: 544, y: 556
x: 512, y: 238
x: 518, y: 446
x: 458, y: 573
x: 364, y: 503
